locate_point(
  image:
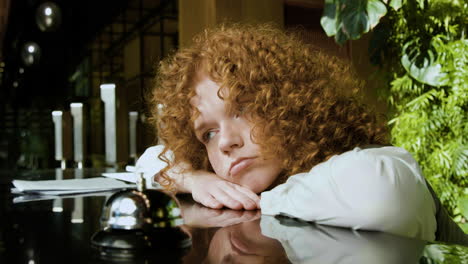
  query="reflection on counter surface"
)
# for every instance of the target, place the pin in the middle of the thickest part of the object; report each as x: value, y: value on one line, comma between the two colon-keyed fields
x: 273, y: 240
x: 36, y: 231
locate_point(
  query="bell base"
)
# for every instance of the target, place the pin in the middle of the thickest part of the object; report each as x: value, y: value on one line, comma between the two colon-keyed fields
x: 120, y: 239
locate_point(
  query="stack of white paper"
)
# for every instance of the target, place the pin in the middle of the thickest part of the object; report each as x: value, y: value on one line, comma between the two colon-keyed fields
x: 31, y: 197
x: 132, y: 175
x: 66, y: 187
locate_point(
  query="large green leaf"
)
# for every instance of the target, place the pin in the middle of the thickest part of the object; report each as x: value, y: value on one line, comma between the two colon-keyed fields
x: 329, y: 18
x: 354, y: 18
x: 349, y: 19
x: 395, y: 4
x: 341, y: 36
x: 375, y: 11
x: 428, y: 72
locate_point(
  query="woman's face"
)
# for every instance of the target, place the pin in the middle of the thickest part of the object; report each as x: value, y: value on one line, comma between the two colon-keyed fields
x: 244, y: 243
x: 227, y: 138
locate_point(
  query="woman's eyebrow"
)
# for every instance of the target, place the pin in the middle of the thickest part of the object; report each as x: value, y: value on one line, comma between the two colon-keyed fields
x: 199, y: 126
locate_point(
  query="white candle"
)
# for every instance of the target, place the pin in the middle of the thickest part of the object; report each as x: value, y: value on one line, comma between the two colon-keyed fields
x: 108, y: 97
x: 77, y: 114
x: 57, y: 119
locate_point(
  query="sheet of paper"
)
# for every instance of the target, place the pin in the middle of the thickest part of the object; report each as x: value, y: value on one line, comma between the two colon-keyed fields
x: 31, y: 197
x: 123, y: 176
x: 132, y: 177
x: 72, y: 185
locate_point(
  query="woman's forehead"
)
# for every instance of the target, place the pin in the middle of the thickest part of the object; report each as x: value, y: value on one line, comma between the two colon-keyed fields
x: 207, y: 90
x: 206, y: 98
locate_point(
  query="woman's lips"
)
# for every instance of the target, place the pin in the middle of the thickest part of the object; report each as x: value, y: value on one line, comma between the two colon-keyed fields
x: 241, y: 165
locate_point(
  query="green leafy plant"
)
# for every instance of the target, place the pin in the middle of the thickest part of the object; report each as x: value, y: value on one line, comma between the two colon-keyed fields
x: 440, y: 253
x: 421, y: 46
x: 349, y: 19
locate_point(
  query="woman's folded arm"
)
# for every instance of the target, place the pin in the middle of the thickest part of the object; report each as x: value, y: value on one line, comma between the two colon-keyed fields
x: 372, y: 189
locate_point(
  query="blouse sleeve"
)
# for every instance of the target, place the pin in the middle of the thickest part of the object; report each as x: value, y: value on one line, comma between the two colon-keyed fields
x: 379, y: 189
x: 150, y: 164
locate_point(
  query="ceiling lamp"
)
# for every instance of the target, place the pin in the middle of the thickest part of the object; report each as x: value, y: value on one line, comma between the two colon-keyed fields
x: 30, y: 53
x: 48, y: 17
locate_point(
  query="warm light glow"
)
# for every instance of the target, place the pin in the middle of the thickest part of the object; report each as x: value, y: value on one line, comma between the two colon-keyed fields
x: 48, y: 11
x: 57, y: 113
x: 21, y: 70
x: 31, y: 49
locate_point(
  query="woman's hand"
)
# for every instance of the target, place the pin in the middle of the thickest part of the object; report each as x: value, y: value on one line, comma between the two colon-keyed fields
x: 211, y: 191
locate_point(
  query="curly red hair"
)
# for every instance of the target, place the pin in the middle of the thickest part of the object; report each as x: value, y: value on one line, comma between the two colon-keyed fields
x: 303, y: 102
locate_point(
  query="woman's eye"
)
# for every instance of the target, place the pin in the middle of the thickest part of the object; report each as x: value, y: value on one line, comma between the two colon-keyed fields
x: 207, y: 136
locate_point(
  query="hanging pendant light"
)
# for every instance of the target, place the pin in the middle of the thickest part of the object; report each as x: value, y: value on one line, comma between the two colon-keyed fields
x: 30, y: 53
x: 48, y: 17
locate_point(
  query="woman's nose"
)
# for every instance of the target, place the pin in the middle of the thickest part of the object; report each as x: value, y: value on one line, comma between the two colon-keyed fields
x: 230, y: 138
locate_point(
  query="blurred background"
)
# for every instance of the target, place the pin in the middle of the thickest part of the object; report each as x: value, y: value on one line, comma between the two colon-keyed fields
x: 413, y: 56
x: 57, y: 52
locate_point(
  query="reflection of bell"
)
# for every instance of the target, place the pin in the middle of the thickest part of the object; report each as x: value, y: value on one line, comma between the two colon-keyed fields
x: 136, y: 222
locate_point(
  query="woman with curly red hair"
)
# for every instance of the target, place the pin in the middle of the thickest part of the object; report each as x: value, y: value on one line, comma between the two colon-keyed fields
x: 251, y: 109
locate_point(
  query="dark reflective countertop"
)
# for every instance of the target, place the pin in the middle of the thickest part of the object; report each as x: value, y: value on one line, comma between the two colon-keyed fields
x: 59, y: 230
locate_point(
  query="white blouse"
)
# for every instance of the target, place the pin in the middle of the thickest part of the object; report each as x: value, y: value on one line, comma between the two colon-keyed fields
x: 379, y: 189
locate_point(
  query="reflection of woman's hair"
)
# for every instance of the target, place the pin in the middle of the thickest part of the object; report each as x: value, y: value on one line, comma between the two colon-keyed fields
x: 293, y: 93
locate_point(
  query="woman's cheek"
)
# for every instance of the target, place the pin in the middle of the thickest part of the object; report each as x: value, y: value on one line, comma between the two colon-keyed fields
x: 216, y: 164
